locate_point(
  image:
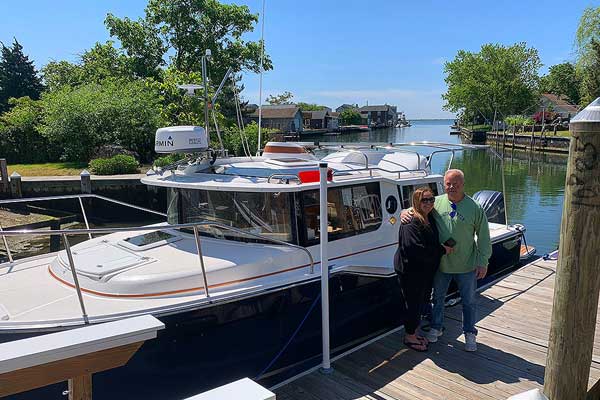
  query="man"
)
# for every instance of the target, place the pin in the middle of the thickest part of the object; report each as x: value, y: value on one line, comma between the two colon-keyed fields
x: 461, y: 222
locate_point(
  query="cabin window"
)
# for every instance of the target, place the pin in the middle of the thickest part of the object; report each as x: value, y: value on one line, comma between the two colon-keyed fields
x: 407, y: 191
x: 351, y: 210
x: 267, y: 214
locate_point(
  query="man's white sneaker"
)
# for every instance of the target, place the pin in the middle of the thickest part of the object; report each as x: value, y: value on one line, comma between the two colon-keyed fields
x: 470, y: 342
x: 433, y: 335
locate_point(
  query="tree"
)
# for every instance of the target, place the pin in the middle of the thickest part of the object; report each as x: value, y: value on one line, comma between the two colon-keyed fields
x: 587, y: 30
x: 309, y: 106
x: 350, y: 117
x: 18, y: 77
x: 20, y: 139
x: 498, y: 78
x: 562, y: 79
x: 590, y: 82
x: 184, y: 29
x: 80, y: 119
x: 278, y: 99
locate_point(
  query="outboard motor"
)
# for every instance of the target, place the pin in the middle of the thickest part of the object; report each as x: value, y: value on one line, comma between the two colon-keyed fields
x: 493, y: 205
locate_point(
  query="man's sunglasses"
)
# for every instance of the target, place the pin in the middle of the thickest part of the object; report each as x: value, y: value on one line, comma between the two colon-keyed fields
x: 453, y: 212
x: 429, y: 200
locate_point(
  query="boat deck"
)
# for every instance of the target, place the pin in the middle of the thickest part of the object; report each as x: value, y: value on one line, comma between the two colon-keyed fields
x: 514, y: 324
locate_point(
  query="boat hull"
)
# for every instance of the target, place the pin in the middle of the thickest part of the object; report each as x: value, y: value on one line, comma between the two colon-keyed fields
x: 269, y: 337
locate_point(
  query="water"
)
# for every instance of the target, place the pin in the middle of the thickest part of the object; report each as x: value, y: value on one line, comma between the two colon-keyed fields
x: 534, y: 184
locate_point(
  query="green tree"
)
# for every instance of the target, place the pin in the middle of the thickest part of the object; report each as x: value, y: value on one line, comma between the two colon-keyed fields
x: 350, y: 117
x: 309, y: 106
x: 60, y: 73
x: 103, y: 61
x: 562, y: 79
x: 497, y: 78
x: 20, y: 139
x: 79, y: 119
x: 590, y: 82
x: 184, y: 29
x: 587, y: 30
x: 278, y: 99
x: 18, y: 77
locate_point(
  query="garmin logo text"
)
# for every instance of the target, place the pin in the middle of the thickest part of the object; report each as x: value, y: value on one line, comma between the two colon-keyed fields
x: 164, y: 143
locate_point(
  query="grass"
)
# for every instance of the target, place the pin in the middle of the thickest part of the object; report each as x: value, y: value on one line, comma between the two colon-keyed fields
x: 57, y: 169
x: 548, y: 134
x: 48, y: 169
x: 480, y: 127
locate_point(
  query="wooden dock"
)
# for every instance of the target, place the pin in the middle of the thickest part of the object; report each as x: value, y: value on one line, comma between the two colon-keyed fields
x: 514, y: 323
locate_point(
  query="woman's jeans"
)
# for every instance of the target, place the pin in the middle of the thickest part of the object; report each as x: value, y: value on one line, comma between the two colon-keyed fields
x: 467, y: 283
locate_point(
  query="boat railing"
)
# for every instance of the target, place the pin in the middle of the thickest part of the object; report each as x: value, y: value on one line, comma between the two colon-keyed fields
x: 355, y: 147
x: 65, y: 233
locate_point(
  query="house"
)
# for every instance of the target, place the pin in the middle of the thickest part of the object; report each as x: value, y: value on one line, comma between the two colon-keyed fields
x: 345, y: 107
x: 320, y: 119
x: 558, y: 104
x: 284, y: 118
x: 379, y: 115
x: 334, y: 122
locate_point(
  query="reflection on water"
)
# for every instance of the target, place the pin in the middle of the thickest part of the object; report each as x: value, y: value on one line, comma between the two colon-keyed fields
x: 534, y: 184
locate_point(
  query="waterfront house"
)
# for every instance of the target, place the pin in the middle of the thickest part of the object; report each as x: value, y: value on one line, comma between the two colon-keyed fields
x: 284, y: 118
x: 320, y: 119
x: 558, y: 104
x: 379, y: 115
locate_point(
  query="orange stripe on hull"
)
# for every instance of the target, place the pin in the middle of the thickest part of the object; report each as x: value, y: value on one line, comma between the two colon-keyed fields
x: 201, y: 288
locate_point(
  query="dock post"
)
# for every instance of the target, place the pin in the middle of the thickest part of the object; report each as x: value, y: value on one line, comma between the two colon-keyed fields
x: 86, y: 181
x: 577, y: 286
x: 15, y: 185
x: 4, y: 186
x: 323, y: 237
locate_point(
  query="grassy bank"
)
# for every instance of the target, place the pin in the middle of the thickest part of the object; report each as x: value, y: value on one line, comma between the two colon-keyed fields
x: 48, y: 169
x: 57, y: 169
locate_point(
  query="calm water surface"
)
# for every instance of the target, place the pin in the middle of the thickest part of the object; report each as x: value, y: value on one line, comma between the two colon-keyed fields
x: 534, y: 184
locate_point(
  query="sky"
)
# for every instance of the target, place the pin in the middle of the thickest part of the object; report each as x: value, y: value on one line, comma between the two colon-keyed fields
x: 332, y: 52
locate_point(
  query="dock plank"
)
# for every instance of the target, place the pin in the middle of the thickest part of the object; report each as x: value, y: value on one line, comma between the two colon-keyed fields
x: 514, y: 324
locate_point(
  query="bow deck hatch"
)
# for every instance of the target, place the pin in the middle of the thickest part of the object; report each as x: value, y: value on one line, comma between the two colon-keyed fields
x: 102, y: 259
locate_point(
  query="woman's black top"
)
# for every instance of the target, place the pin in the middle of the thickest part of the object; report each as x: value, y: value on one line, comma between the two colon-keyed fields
x: 419, y: 249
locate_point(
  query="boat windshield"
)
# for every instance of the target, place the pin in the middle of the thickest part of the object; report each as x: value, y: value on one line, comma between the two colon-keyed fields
x: 268, y: 214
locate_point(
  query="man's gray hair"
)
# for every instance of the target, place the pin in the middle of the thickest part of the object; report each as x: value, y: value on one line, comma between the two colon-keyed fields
x: 455, y: 172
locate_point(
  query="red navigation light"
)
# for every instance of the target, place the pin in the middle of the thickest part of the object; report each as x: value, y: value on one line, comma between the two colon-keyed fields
x: 313, y: 175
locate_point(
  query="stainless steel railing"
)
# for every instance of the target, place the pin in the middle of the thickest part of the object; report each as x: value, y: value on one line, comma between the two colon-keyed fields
x: 64, y: 233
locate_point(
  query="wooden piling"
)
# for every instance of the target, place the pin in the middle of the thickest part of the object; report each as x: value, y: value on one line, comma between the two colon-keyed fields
x: 4, y: 185
x: 577, y: 279
x: 16, y: 190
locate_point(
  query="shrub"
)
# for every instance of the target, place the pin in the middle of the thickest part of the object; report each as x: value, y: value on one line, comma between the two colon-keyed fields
x: 168, y: 159
x: 233, y: 141
x: 83, y: 118
x: 20, y: 140
x: 119, y: 164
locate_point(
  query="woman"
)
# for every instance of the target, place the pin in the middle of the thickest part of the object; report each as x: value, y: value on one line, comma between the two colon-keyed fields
x: 416, y: 261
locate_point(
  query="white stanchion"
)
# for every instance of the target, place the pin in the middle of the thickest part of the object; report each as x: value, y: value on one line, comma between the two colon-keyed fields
x: 326, y: 364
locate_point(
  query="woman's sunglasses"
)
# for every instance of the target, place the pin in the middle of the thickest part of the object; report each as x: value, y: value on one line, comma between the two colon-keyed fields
x: 429, y: 200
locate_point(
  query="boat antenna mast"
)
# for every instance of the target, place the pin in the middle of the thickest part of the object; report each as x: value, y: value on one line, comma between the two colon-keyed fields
x: 262, y: 57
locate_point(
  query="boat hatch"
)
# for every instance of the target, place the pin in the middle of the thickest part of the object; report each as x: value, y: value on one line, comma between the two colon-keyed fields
x: 148, y: 240
x: 102, y: 259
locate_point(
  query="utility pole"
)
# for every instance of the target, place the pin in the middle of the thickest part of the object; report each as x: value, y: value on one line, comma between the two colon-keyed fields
x: 577, y: 277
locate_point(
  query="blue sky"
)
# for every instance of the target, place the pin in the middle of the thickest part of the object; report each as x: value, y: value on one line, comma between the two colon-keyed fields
x: 332, y: 52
